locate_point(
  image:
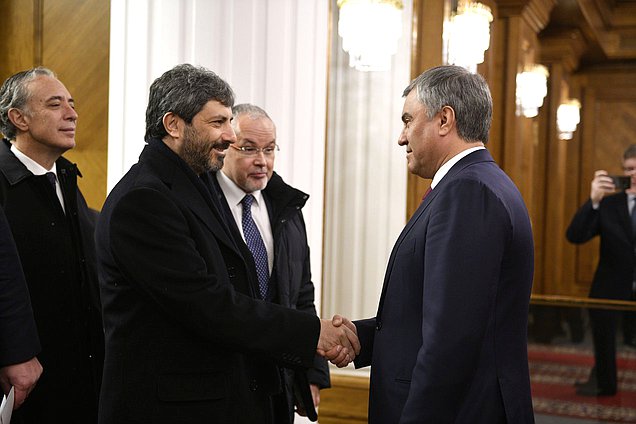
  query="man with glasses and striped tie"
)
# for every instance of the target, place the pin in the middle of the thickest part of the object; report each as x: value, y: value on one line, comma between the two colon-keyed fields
x: 264, y: 215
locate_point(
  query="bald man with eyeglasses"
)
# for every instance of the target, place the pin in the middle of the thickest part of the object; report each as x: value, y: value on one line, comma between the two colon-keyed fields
x: 264, y: 215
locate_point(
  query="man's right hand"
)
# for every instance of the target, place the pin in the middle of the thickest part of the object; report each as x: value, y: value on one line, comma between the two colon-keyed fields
x: 337, y: 342
x: 602, y: 185
x: 22, y: 377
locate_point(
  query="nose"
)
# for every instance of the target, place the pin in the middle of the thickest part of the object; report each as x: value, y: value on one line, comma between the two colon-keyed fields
x: 260, y: 158
x: 228, y: 134
x: 402, y: 141
x: 70, y: 113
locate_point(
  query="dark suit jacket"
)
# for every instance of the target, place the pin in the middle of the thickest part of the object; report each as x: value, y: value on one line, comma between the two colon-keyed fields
x: 611, y: 221
x: 291, y: 274
x: 19, y: 340
x: 185, y: 341
x: 448, y: 344
x: 58, y: 258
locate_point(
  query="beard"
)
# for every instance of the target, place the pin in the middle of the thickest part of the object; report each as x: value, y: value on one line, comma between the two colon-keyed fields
x: 200, y: 154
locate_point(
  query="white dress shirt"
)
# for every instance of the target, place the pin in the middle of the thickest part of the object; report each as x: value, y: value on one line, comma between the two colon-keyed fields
x: 443, y: 170
x: 234, y: 195
x: 37, y: 169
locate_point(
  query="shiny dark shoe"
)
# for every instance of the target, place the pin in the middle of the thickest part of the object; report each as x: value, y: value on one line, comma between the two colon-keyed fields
x: 594, y: 391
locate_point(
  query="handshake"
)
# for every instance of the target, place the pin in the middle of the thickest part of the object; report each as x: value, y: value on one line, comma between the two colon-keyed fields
x: 338, y: 341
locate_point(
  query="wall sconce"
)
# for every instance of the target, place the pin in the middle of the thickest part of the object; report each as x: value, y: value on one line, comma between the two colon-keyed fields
x: 370, y: 30
x: 532, y: 87
x: 568, y: 117
x: 467, y: 34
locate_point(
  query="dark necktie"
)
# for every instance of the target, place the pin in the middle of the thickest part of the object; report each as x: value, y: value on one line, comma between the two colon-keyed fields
x: 52, y: 179
x: 255, y: 243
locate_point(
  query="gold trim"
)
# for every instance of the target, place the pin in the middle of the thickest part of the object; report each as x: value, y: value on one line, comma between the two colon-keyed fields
x: 582, y: 302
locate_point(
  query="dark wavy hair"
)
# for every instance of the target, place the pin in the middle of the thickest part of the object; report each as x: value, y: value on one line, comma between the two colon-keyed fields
x: 183, y: 90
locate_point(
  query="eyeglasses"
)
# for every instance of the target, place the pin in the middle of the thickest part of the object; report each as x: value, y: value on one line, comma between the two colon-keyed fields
x: 251, y: 151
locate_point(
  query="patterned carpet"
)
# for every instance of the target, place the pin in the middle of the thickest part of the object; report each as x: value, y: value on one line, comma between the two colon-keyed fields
x: 553, y: 371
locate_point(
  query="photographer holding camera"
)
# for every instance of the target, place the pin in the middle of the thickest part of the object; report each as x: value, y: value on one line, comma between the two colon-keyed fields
x: 610, y: 214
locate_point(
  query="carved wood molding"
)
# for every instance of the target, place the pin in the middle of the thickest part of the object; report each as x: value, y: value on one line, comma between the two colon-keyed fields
x: 565, y: 47
x: 536, y: 13
x: 614, y: 26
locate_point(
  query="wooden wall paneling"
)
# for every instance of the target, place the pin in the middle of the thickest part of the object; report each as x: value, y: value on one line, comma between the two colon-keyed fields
x: 561, y: 52
x: 75, y: 44
x: 608, y: 126
x: 428, y: 22
x: 346, y: 402
x: 570, y: 195
x: 19, y: 32
x: 550, y: 239
x: 493, y: 71
x: 586, y: 254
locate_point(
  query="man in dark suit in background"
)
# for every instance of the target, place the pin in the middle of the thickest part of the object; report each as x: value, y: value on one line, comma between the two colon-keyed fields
x: 248, y: 169
x: 611, y: 216
x: 53, y: 232
x: 19, y: 342
x: 448, y: 343
x: 186, y: 339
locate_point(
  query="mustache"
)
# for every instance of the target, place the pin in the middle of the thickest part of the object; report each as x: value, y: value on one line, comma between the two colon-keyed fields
x: 224, y: 145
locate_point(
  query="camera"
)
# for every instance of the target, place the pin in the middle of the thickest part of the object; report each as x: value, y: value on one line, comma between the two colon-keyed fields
x: 621, y: 182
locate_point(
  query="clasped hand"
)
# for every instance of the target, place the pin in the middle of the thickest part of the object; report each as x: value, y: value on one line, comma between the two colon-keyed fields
x: 338, y: 341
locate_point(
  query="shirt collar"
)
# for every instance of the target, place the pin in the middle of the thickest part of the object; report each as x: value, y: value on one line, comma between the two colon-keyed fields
x: 443, y: 170
x: 30, y: 164
x: 233, y: 193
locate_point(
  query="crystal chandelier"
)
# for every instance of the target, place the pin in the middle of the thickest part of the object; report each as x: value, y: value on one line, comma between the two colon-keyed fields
x: 467, y: 34
x: 370, y: 30
x: 532, y: 87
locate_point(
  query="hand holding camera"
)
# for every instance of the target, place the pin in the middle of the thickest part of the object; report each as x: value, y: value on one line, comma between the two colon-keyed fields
x: 604, y: 184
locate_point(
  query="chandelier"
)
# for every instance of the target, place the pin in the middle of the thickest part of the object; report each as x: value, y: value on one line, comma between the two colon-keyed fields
x: 467, y: 34
x: 532, y: 87
x: 370, y: 30
x: 568, y: 117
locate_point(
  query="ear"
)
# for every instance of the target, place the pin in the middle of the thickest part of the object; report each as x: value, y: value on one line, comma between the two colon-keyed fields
x: 447, y: 120
x: 18, y: 119
x: 173, y: 124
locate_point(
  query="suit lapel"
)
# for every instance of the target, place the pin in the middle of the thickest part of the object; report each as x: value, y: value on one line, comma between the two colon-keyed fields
x: 471, y: 158
x: 187, y: 186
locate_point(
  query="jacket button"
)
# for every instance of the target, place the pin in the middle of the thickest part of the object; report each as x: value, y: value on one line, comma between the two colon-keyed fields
x: 378, y: 326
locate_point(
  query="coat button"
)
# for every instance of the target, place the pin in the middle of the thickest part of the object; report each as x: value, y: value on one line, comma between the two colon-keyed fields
x: 378, y: 326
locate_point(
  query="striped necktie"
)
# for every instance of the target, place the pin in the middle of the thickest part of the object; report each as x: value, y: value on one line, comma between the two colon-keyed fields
x: 255, y: 243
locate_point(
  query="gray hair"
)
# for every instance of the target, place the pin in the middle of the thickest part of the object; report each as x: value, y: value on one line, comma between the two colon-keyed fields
x: 630, y: 152
x: 14, y: 93
x: 252, y: 111
x: 184, y: 90
x: 465, y: 92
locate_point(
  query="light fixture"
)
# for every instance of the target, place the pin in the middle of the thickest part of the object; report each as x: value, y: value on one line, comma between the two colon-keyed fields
x: 467, y: 34
x: 568, y: 117
x: 532, y: 87
x: 370, y: 30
